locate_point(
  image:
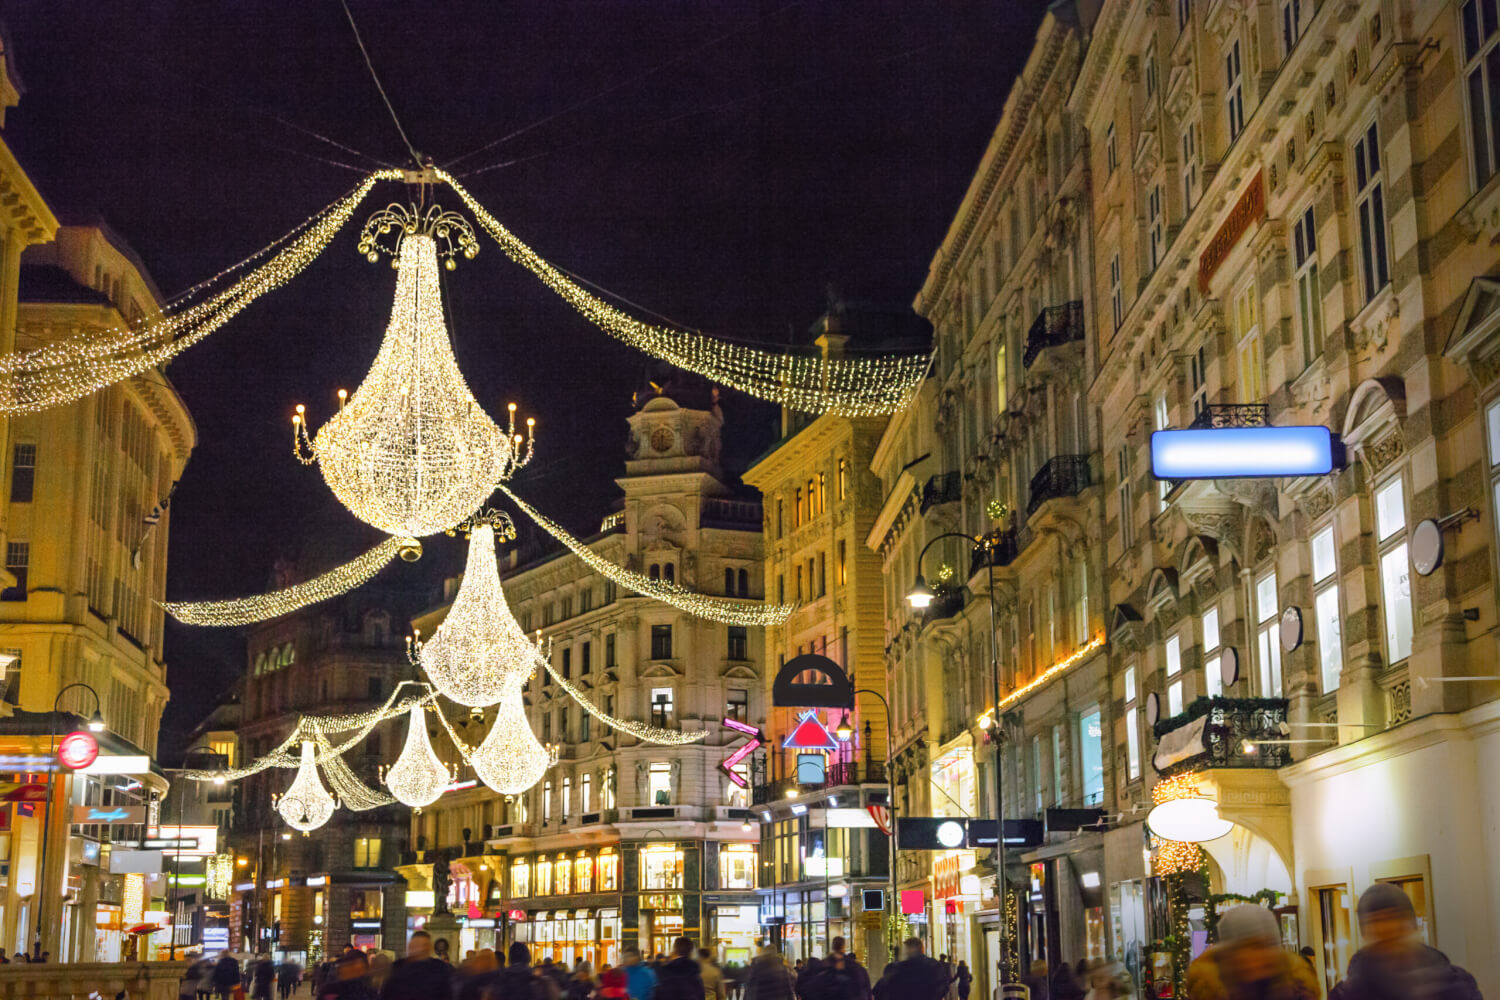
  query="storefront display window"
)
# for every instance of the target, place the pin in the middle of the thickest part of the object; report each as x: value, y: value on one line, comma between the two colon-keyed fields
x: 364, y: 904
x: 609, y: 936
x: 562, y: 876
x: 544, y: 878
x: 609, y: 870
x: 583, y: 874
x: 520, y: 880
x: 737, y: 867
x: 661, y: 867
x: 953, y: 783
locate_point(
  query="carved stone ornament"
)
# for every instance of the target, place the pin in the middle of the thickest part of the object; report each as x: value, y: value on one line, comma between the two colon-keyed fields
x: 1317, y: 502
x: 1222, y: 526
x: 1381, y: 453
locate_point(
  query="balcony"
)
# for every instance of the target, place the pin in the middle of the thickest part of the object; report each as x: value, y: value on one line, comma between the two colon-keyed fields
x: 946, y: 488
x: 1001, y: 551
x: 1223, y: 732
x: 945, y: 604
x: 1062, y: 476
x: 1054, y: 326
x: 1232, y: 415
x: 838, y: 775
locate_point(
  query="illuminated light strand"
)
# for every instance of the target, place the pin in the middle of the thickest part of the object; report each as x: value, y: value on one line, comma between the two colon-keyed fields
x: 845, y: 386
x: 1048, y: 675
x: 641, y: 731
x: 418, y: 778
x: 411, y: 451
x: 352, y: 793
x: 66, y: 371
x: 511, y: 759
x: 728, y: 612
x: 306, y: 804
x: 480, y: 650
x: 1175, y: 857
x: 245, y: 610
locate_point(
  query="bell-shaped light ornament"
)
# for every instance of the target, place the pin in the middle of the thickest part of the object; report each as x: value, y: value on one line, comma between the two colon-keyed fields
x: 418, y: 778
x: 306, y: 805
x: 511, y: 760
x: 411, y: 451
x: 479, y: 651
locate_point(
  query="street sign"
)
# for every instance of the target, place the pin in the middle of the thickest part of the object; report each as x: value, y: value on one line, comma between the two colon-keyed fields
x: 1244, y: 452
x: 812, y: 681
x: 13, y: 792
x: 932, y: 833
x: 134, y: 862
x: 77, y: 750
x: 757, y: 739
x: 109, y: 814
x: 809, y: 734
x: 1018, y: 833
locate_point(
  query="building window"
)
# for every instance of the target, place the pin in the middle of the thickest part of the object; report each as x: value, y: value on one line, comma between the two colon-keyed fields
x: 1158, y: 223
x: 737, y: 705
x: 584, y: 666
x: 567, y: 664
x: 1111, y: 150
x: 779, y: 509
x: 546, y: 811
x: 1116, y: 292
x: 1309, y: 293
x: 843, y: 567
x: 583, y: 874
x: 1123, y: 493
x: 661, y: 706
x: 1189, y: 166
x: 1326, y: 608
x: 586, y: 793
x: 661, y: 866
x: 1395, y: 569
x: 661, y: 642
x: 798, y: 579
x: 609, y: 870
x: 543, y: 876
x: 1057, y: 766
x: 520, y: 879
x: 1163, y: 418
x: 1198, y: 378
x: 1173, y: 652
x: 797, y: 507
x: 585, y: 727
x: 586, y: 600
x: 654, y: 572
x: 669, y: 572
x: 1213, y: 681
x: 1184, y: 13
x: 1036, y: 774
x: 1132, y: 726
x: 1370, y: 207
x: 1268, y: 638
x: 609, y: 651
x: 1291, y: 25
x: 1482, y: 71
x: 739, y: 643
x: 843, y: 479
x: 1091, y: 756
x: 737, y: 866
x: 373, y: 688
x: 1234, y: 90
x: 17, y: 561
x: 546, y: 727
x: 1150, y: 61
x: 607, y: 789
x: 1249, y: 351
x: 23, y: 473
x: 367, y: 852
x: 567, y: 798
x: 659, y: 788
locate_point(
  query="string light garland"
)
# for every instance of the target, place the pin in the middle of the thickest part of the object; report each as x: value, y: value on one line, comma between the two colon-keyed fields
x: 728, y: 612
x: 68, y: 370
x: 511, y: 759
x: 245, y: 610
x: 411, y: 451
x: 418, y: 778
x: 642, y: 732
x: 845, y: 386
x: 480, y: 649
x: 1051, y: 673
x: 306, y: 805
x: 352, y: 793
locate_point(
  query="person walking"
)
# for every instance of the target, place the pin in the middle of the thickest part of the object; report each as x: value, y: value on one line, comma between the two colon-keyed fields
x: 915, y: 977
x: 421, y: 975
x: 713, y: 977
x: 841, y: 965
x: 1249, y: 963
x: 262, y: 976
x: 1063, y: 985
x: 581, y: 984
x: 680, y: 978
x: 350, y: 979
x: 287, y: 974
x: 1395, y: 963
x: 518, y: 980
x: 226, y: 975
x: 963, y: 979
x: 768, y: 977
x: 1036, y: 981
x: 640, y: 978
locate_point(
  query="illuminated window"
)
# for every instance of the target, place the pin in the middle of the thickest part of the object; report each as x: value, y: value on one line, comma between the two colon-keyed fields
x: 367, y: 852
x: 586, y: 793
x: 661, y: 706
x: 609, y: 870
x: 1395, y: 569
x: 737, y: 866
x: 1268, y: 639
x: 520, y: 880
x: 659, y: 784
x: 1091, y: 756
x: 544, y: 878
x: 1173, y: 655
x: 1132, y: 726
x: 1326, y: 608
x: 1334, y: 932
x: 1213, y: 680
x: 843, y: 479
x: 1249, y: 351
x: 661, y: 867
x: 562, y: 876
x: 583, y: 874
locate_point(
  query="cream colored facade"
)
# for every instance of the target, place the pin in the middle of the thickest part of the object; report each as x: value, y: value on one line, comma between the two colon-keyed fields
x: 639, y: 842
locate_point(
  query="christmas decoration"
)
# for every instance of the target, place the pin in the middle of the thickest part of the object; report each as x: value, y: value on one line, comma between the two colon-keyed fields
x: 306, y: 805
x: 418, y: 777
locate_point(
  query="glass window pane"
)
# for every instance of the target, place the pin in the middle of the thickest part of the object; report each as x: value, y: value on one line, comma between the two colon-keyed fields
x: 1323, y: 563
x: 1213, y: 682
x: 1211, y: 629
x: 1269, y: 646
x: 1330, y: 642
x: 1265, y: 598
x: 1174, y: 699
x: 1174, y: 656
x: 1390, y: 510
x: 1091, y: 756
x: 1129, y: 684
x: 1477, y: 118
x: 1133, y: 744
x: 1471, y: 29
x: 1492, y: 428
x: 1395, y: 584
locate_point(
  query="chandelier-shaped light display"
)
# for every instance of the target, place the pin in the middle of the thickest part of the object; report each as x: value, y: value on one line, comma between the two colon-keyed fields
x: 479, y: 651
x: 511, y: 760
x: 306, y: 805
x: 417, y: 778
x: 411, y: 451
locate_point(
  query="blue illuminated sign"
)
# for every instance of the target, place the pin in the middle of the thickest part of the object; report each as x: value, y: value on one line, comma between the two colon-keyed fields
x: 1244, y: 452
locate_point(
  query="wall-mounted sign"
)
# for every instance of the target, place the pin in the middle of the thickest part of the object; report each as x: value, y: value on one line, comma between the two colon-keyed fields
x: 1229, y: 667
x: 1244, y: 452
x: 1426, y: 547
x: 11, y: 792
x: 365, y: 925
x: 1249, y: 210
x: 109, y: 814
x: 932, y: 833
x: 809, y: 734
x: 872, y: 900
x: 77, y: 750
x: 945, y: 876
x: 913, y: 901
x: 134, y: 862
x: 812, y: 681
x: 728, y: 764
x: 1291, y: 628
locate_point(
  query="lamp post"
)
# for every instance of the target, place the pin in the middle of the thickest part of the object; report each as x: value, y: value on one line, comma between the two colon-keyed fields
x: 177, y: 854
x: 95, y: 725
x: 920, y: 596
x: 844, y: 732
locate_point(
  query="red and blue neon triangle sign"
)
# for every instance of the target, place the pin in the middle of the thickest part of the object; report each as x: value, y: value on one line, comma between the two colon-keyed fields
x: 809, y: 734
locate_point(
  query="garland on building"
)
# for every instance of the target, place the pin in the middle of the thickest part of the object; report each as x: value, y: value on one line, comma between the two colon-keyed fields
x: 1265, y: 897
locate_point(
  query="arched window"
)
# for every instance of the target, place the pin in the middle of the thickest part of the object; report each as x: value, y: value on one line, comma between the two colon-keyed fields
x: 669, y: 572
x: 729, y: 582
x: 744, y: 590
x: 655, y: 571
x: 260, y: 664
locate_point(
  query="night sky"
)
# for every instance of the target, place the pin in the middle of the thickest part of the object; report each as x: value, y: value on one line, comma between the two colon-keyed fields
x: 723, y: 164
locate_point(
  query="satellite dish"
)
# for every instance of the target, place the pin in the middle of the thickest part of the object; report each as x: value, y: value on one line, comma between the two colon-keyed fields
x: 1426, y: 547
x: 1291, y: 628
x: 1153, y: 708
x: 1229, y: 668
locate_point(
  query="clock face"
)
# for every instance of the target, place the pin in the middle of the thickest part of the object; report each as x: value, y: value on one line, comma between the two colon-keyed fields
x: 662, y: 438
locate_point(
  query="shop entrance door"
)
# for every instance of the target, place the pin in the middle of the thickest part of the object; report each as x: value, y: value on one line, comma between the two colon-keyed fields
x: 665, y: 928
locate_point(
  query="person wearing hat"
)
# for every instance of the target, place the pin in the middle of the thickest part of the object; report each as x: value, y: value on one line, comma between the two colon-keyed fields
x: 1394, y: 962
x: 1249, y: 963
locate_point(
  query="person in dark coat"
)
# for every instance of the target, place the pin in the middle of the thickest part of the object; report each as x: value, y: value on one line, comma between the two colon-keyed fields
x: 1064, y: 986
x: 680, y: 978
x: 915, y: 977
x: 518, y: 980
x: 226, y: 975
x: 1394, y: 963
x: 350, y: 979
x: 841, y: 964
x: 420, y: 975
x: 1249, y: 962
x: 262, y: 976
x: 768, y: 978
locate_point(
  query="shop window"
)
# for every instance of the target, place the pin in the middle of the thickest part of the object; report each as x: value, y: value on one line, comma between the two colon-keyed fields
x: 1482, y: 88
x: 1172, y: 653
x: 1395, y: 569
x: 1326, y: 608
x: 562, y: 876
x: 543, y: 878
x: 737, y: 867
x: 659, y: 784
x: 1091, y: 756
x: 583, y: 874
x: 661, y: 867
x: 607, y: 790
x: 365, y: 904
x: 609, y: 870
x: 520, y: 880
x: 1267, y: 636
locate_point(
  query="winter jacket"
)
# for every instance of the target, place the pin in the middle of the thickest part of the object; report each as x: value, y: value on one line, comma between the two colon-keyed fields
x: 1417, y: 973
x: 418, y: 979
x: 226, y: 974
x: 1206, y: 980
x: 640, y: 981
x: 347, y: 989
x: 680, y: 979
x: 768, y: 979
x: 518, y: 982
x: 915, y: 978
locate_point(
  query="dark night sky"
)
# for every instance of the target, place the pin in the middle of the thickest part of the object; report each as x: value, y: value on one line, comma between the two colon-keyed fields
x: 725, y: 182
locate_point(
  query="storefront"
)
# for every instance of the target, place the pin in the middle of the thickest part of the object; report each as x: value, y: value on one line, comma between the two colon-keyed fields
x: 733, y: 929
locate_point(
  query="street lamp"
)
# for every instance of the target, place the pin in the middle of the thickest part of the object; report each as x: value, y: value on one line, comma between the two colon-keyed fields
x: 845, y: 731
x: 95, y: 725
x: 921, y: 596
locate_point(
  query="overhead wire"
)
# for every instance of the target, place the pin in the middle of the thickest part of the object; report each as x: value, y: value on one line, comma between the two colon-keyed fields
x: 415, y: 156
x: 323, y: 138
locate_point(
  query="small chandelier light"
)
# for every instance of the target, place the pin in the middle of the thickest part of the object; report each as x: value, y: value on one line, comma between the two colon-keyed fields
x: 1185, y: 814
x: 417, y: 778
x: 479, y: 651
x: 306, y: 805
x: 511, y: 760
x: 411, y: 451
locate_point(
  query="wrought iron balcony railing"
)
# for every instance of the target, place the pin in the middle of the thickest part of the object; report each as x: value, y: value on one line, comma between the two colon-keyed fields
x: 838, y: 774
x: 1001, y: 551
x: 1062, y: 476
x: 1223, y: 732
x: 1054, y: 326
x: 1232, y: 415
x: 944, y: 488
x: 945, y: 604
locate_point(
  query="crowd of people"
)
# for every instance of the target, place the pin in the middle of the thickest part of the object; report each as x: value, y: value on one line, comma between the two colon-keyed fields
x: 1247, y: 963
